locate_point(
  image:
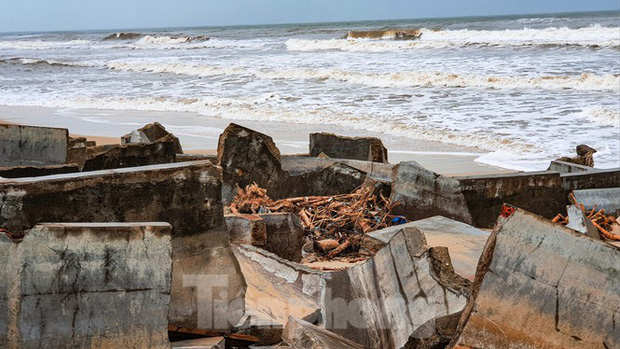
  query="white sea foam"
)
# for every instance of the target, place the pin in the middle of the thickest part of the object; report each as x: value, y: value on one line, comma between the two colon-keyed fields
x: 585, y: 81
x: 594, y: 36
x: 42, y: 45
x: 602, y: 116
x: 166, y: 40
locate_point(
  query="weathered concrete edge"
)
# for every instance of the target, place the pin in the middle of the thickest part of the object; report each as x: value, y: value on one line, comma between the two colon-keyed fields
x: 487, y: 258
x: 93, y: 174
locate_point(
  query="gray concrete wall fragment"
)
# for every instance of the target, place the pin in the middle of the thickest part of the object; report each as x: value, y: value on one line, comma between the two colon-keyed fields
x: 600, y: 178
x: 382, y: 301
x: 607, y: 199
x: 540, y: 285
x: 538, y: 192
x: 302, y: 334
x: 423, y: 193
x: 186, y: 195
x: 87, y: 285
x: 32, y: 145
x: 342, y: 147
x: 248, y: 157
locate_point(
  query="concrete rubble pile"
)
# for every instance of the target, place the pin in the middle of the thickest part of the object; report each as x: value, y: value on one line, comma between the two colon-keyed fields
x: 139, y: 245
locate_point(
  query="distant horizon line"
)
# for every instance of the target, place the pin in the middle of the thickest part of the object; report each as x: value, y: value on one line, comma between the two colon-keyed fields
x: 301, y: 23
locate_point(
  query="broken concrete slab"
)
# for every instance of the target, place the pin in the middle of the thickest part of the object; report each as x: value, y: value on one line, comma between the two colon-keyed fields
x: 607, y: 199
x: 132, y: 155
x: 530, y: 290
x: 381, y: 302
x: 296, y: 164
x: 539, y: 192
x: 435, y: 333
x: 363, y: 301
x: 278, y: 288
x: 475, y: 200
x: 246, y: 229
x: 200, y: 343
x: 152, y: 133
x: 423, y: 193
x: 279, y: 233
x: 22, y: 145
x: 568, y: 167
x: 578, y: 221
x: 186, y: 195
x: 464, y: 242
x: 248, y: 157
x: 341, y: 147
x: 37, y: 171
x: 284, y: 235
x: 597, y: 179
x: 86, y: 285
x: 302, y: 334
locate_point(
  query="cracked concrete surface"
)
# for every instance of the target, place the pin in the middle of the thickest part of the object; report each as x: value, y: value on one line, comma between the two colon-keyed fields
x: 86, y: 285
x: 540, y: 285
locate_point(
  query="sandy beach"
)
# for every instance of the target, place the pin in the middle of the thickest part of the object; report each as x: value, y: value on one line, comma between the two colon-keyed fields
x: 199, y: 134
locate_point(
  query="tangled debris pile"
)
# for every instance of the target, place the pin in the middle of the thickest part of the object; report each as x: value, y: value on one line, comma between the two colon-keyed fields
x: 607, y: 225
x: 335, y: 224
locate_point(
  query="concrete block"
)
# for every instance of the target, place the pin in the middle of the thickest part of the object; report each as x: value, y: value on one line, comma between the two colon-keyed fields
x: 568, y: 167
x: 381, y: 302
x: 597, y: 179
x: 302, y: 334
x: 284, y: 235
x: 186, y: 195
x: 248, y: 157
x: 607, y: 199
x: 341, y: 147
x: 539, y: 192
x: 152, y: 133
x: 132, y: 155
x: 475, y: 200
x: 577, y: 221
x: 246, y: 229
x: 541, y: 285
x: 423, y: 193
x: 295, y: 164
x: 32, y: 145
x: 278, y: 288
x: 87, y: 285
x: 279, y: 233
x: 464, y: 242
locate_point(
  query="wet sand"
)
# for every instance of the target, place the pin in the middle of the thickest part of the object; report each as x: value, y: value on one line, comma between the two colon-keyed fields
x: 199, y: 135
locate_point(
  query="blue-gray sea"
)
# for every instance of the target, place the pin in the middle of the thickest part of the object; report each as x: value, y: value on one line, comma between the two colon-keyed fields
x: 523, y: 88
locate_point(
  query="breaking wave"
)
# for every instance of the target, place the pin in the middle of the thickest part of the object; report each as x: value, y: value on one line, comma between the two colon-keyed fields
x: 172, y: 39
x: 43, y: 62
x: 592, y: 37
x: 602, y: 116
x: 392, y: 34
x: 585, y: 81
x: 42, y: 45
x: 256, y: 108
x: 123, y: 36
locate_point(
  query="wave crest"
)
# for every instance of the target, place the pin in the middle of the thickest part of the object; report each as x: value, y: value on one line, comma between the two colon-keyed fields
x: 592, y: 37
x: 172, y: 39
x: 123, y: 36
x: 585, y: 81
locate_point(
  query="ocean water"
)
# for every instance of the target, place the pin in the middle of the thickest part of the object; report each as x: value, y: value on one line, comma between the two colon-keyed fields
x: 524, y: 89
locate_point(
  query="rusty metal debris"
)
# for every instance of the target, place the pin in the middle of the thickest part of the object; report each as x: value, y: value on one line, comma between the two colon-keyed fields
x: 603, y: 221
x: 344, y: 218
